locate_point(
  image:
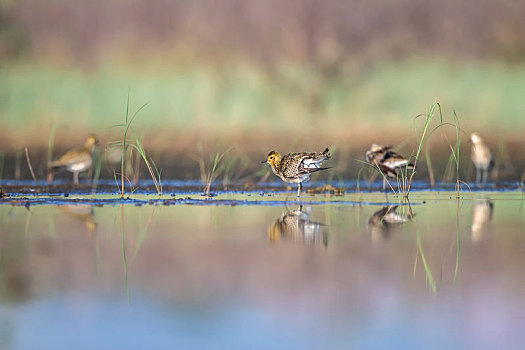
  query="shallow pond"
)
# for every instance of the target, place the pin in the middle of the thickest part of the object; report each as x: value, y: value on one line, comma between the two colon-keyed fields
x: 338, y: 272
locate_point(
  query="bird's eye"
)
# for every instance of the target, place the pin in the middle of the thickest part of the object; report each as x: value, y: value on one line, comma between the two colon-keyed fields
x: 271, y: 157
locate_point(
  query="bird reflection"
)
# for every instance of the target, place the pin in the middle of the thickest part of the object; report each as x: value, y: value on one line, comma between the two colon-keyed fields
x: 82, y: 213
x: 382, y: 221
x: 481, y: 216
x: 296, y: 225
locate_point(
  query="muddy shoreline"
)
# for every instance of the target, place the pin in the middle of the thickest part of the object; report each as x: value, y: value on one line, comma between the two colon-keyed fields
x: 25, y: 193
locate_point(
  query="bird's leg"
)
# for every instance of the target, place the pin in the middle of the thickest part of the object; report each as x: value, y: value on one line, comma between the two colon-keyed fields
x: 49, y: 176
x: 478, y: 173
x: 384, y: 183
x: 75, y: 177
x: 299, y: 189
x: 485, y: 173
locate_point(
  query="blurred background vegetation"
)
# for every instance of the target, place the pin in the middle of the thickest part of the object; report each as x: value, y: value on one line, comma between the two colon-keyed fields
x: 258, y: 74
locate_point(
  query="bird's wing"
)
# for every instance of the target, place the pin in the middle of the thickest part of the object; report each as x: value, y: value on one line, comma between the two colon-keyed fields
x: 70, y: 157
x: 378, y: 155
x: 394, y: 160
x: 311, y: 162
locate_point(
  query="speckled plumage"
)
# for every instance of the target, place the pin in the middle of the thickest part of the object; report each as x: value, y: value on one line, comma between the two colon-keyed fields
x: 296, y: 167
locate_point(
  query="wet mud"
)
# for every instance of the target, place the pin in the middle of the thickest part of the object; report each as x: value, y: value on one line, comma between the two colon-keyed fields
x: 26, y: 193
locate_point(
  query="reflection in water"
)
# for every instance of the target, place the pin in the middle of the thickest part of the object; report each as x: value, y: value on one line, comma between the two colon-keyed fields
x: 82, y: 213
x: 296, y: 225
x: 383, y: 220
x: 200, y: 270
x: 481, y: 216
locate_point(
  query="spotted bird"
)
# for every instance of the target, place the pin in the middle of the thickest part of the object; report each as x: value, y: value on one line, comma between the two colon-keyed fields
x: 296, y: 167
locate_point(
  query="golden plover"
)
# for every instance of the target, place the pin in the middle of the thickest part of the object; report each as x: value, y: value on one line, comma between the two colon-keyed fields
x: 387, y: 161
x: 76, y: 160
x: 481, y: 156
x: 296, y: 167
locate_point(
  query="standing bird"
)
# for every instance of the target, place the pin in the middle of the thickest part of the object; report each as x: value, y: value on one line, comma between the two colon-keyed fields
x: 387, y: 161
x: 296, y: 167
x: 481, y: 156
x: 76, y: 160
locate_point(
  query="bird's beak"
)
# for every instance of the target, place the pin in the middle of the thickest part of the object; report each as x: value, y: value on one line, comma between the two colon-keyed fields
x: 264, y: 161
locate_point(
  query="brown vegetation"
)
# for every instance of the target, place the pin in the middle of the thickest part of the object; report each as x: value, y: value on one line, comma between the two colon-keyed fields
x: 322, y: 33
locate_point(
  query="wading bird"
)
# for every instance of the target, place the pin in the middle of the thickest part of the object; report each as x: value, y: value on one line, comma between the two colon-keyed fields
x: 481, y: 156
x: 76, y: 160
x: 296, y: 167
x: 387, y: 161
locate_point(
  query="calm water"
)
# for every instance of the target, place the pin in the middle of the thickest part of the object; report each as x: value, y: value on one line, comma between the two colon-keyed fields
x: 335, y: 276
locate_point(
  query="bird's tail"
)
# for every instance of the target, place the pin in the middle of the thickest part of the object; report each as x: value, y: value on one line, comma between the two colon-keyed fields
x: 313, y: 170
x: 322, y: 156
